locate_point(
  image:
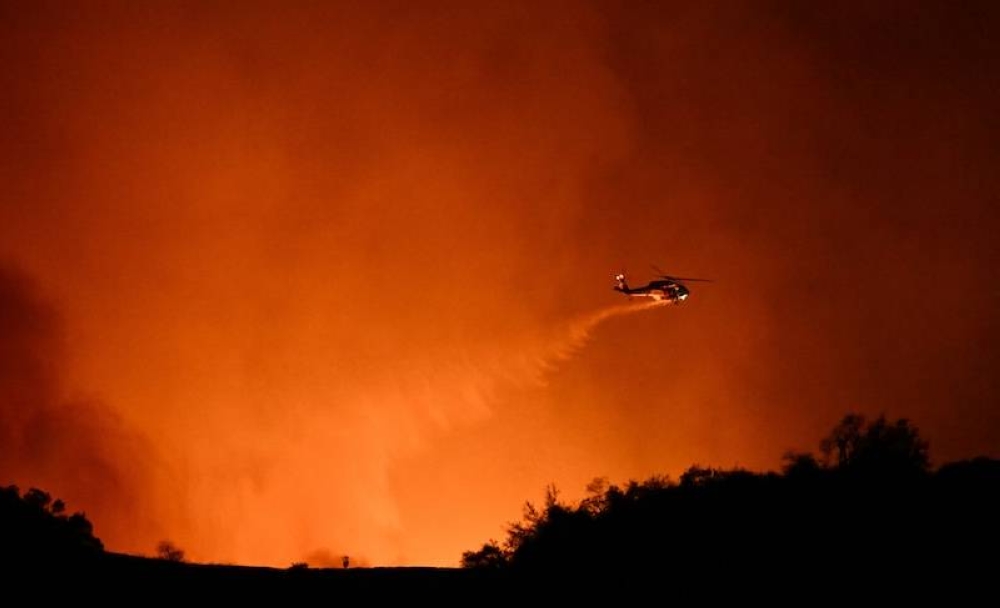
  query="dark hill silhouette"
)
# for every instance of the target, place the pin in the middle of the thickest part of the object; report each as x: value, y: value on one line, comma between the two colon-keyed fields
x: 868, y: 514
x: 869, y: 506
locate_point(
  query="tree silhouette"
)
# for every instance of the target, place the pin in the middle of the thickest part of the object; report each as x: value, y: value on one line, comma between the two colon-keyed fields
x: 35, y: 529
x: 871, y: 500
x: 876, y: 448
x: 167, y: 550
x: 843, y: 440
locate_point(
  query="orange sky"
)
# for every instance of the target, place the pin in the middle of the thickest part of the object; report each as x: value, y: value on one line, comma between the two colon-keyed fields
x: 285, y: 281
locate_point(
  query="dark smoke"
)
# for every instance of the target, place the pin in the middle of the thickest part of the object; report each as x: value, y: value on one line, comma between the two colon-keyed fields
x: 325, y: 255
x: 74, y: 447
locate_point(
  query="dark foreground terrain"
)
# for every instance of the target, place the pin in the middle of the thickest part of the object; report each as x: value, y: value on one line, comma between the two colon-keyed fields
x: 110, y: 569
x: 871, y: 518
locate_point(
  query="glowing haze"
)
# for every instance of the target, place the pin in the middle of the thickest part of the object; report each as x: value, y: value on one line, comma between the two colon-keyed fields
x: 287, y: 281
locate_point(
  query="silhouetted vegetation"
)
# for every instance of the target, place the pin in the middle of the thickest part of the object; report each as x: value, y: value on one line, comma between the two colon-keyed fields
x: 868, y: 507
x: 36, y: 529
x: 169, y: 551
x: 870, y: 500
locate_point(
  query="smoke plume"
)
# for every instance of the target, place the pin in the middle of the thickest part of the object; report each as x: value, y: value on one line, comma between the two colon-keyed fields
x: 75, y: 447
x: 335, y: 263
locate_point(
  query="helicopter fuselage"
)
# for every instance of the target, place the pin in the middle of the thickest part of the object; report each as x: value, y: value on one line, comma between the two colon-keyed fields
x: 657, y: 290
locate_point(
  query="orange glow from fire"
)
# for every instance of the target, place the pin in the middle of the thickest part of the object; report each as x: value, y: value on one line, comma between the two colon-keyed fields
x: 324, y: 280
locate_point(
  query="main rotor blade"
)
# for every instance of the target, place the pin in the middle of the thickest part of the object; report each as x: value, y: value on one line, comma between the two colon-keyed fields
x: 664, y: 275
x: 673, y: 278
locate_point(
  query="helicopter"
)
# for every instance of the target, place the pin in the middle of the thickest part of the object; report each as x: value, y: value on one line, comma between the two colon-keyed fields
x: 665, y: 287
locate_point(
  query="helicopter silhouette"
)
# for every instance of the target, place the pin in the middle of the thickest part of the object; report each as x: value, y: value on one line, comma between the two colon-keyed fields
x: 664, y: 288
